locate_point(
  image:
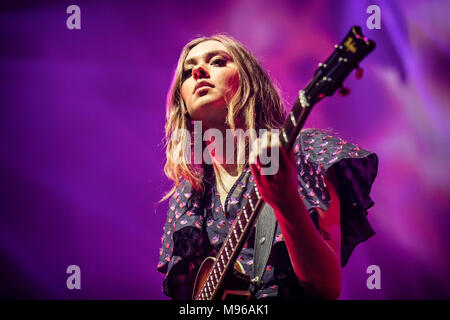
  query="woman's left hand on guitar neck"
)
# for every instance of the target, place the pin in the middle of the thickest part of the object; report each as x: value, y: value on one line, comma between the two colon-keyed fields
x: 314, y: 257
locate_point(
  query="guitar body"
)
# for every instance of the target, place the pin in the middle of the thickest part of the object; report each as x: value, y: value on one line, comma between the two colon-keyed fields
x: 235, y: 284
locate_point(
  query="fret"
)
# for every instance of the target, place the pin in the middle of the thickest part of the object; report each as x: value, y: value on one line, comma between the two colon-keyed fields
x: 250, y: 201
x: 240, y: 224
x: 283, y: 133
x: 229, y: 245
x: 226, y: 252
x: 217, y: 265
x: 291, y: 116
x: 254, y: 199
x: 230, y: 240
x: 303, y: 100
x: 245, y: 214
x: 235, y: 234
x: 289, y: 130
x: 209, y: 290
x: 257, y: 193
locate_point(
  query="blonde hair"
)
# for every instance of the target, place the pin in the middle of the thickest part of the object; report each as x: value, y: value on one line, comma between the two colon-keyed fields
x: 256, y: 105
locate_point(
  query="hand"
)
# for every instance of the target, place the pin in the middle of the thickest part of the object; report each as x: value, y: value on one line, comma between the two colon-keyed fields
x: 277, y: 181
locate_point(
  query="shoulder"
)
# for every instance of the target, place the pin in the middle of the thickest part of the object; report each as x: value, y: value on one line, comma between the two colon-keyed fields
x: 338, y: 175
x: 324, y: 147
x: 316, y: 142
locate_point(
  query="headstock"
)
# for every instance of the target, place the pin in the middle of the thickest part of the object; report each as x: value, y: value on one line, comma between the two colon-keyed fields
x: 327, y: 79
x: 344, y: 59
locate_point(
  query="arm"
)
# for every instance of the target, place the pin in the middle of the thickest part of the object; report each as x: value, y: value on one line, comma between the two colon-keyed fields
x: 315, y: 256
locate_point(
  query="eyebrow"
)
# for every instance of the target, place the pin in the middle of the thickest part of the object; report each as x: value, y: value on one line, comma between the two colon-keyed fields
x: 208, y: 56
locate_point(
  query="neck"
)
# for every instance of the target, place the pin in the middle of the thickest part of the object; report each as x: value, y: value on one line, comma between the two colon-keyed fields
x: 226, y: 153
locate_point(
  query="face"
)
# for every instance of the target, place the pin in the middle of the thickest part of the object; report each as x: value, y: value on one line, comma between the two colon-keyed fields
x: 210, y: 80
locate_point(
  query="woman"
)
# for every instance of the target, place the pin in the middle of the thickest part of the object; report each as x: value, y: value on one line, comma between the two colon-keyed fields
x: 319, y: 194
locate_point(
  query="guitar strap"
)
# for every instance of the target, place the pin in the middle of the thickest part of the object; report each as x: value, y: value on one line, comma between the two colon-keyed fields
x: 265, y: 232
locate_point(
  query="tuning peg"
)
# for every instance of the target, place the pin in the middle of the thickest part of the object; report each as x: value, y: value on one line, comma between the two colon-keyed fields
x: 359, y: 73
x: 344, y: 91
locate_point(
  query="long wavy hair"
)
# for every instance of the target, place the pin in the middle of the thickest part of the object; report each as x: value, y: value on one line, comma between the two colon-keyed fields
x: 256, y: 105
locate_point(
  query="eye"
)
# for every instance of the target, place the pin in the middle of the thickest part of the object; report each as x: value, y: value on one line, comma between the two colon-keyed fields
x: 219, y: 62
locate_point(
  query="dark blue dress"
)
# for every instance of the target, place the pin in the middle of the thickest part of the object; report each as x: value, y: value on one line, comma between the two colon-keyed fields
x: 196, y: 226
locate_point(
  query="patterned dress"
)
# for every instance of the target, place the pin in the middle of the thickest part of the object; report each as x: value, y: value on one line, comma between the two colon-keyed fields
x: 196, y: 226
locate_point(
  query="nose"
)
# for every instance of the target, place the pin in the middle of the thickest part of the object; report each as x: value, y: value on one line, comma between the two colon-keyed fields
x: 199, y: 72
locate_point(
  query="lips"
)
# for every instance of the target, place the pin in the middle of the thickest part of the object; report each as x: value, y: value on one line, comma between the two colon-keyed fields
x: 202, y: 84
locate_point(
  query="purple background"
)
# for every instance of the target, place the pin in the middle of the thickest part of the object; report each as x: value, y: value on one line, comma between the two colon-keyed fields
x: 81, y: 129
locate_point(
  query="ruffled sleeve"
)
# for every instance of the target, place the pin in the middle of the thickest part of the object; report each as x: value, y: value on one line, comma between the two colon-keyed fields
x: 183, y: 244
x: 316, y: 152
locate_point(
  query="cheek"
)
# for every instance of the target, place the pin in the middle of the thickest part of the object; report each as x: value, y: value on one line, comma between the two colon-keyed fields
x: 185, y: 91
x: 233, y: 84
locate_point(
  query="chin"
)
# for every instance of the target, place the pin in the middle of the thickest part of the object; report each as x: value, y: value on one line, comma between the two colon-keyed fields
x: 203, y: 109
x: 209, y: 116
